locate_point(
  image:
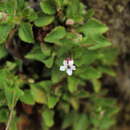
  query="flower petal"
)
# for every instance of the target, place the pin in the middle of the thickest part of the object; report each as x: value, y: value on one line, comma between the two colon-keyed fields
x: 71, y: 62
x: 62, y: 68
x: 69, y: 72
x: 65, y: 62
x: 73, y: 67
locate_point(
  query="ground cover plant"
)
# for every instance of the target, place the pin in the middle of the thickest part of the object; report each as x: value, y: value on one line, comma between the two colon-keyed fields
x: 53, y: 55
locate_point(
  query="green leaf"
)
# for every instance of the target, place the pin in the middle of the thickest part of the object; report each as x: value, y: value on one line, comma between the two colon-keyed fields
x: 81, y: 123
x: 30, y: 14
x: 38, y: 94
x: 18, y: 92
x: 11, y: 7
x: 21, y: 4
x: 12, y: 95
x: 46, y: 50
x: 3, y: 51
x: 108, y: 56
x: 44, y: 20
x: 56, y: 75
x: 2, y: 99
x: 107, y: 70
x: 11, y: 66
x: 48, y: 117
x: 52, y: 100
x: 4, y: 31
x: 68, y: 120
x: 88, y: 73
x: 36, y: 54
x: 48, y: 7
x: 74, y: 103
x: 46, y: 85
x: 93, y: 27
x: 90, y: 13
x: 49, y: 62
x: 56, y: 34
x: 84, y: 57
x: 67, y: 43
x: 99, y: 41
x: 96, y: 85
x: 73, y: 84
x: 3, y: 77
x: 83, y: 94
x: 25, y: 33
x: 76, y: 11
x: 27, y: 98
x: 59, y: 3
x: 4, y: 115
x: 2, y: 6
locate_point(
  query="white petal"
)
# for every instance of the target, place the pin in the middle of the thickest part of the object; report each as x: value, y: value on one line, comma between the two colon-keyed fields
x: 62, y: 68
x: 73, y: 67
x: 65, y: 62
x: 69, y: 72
x: 71, y: 62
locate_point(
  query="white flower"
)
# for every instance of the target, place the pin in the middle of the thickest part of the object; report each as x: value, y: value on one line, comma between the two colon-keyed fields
x: 68, y: 66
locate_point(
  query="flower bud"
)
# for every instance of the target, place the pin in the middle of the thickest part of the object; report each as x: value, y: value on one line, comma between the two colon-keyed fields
x: 3, y: 16
x: 69, y: 22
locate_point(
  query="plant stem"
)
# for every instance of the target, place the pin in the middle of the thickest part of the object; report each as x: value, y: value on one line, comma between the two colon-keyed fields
x: 10, y: 119
x: 11, y: 112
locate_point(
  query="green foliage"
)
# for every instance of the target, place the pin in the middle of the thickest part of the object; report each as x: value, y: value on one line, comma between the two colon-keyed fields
x: 48, y: 7
x: 52, y: 100
x: 4, y: 31
x: 93, y: 27
x: 38, y: 95
x: 48, y: 117
x: 44, y: 20
x: 10, y: 84
x: 104, y: 113
x: 3, y: 51
x: 60, y: 30
x: 27, y: 98
x: 56, y: 34
x: 25, y: 33
x: 77, y: 12
x: 4, y: 115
